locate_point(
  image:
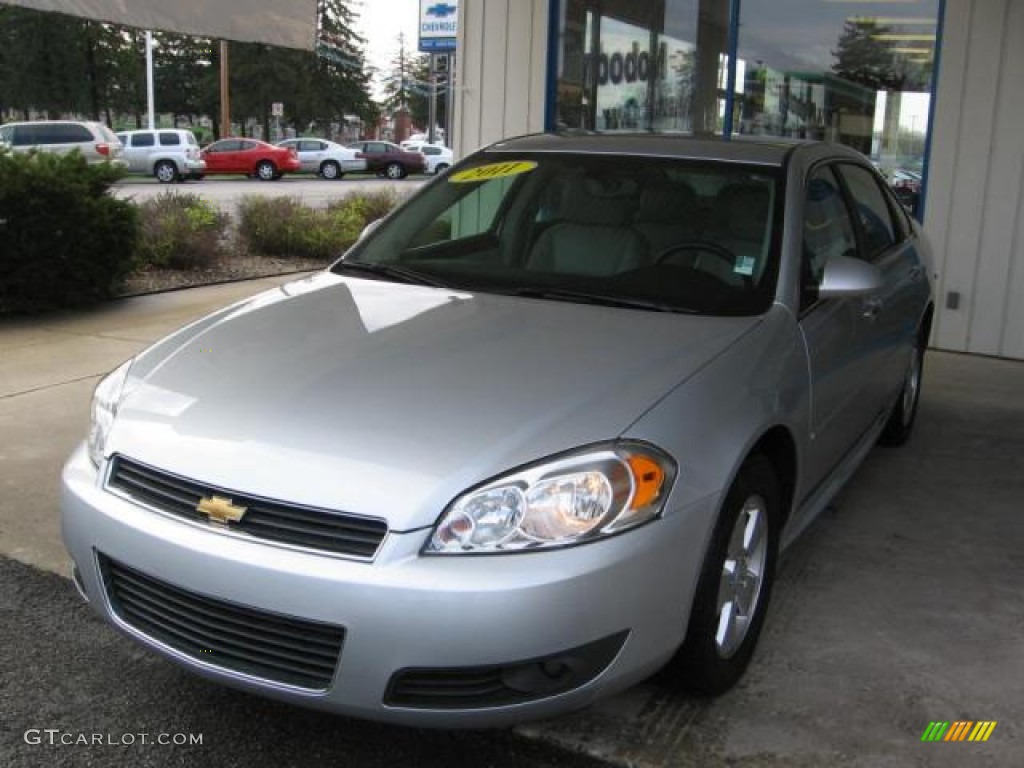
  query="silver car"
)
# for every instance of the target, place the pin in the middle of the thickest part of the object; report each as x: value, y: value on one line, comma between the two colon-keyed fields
x: 95, y: 141
x: 325, y: 158
x: 539, y: 434
x: 169, y: 154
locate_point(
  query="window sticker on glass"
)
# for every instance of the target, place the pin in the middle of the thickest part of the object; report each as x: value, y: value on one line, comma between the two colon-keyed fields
x: 492, y: 171
x: 744, y: 265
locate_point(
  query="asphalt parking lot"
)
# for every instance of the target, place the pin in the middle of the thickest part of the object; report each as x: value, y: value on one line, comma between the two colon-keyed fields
x: 900, y: 606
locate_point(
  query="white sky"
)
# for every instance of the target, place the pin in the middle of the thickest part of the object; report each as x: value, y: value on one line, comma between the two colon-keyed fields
x: 379, y: 22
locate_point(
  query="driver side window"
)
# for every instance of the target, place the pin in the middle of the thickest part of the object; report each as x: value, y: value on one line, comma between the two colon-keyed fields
x: 828, y: 231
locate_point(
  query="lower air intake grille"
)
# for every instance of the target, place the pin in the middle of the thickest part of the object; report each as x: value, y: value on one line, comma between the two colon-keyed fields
x: 270, y: 646
x: 501, y: 685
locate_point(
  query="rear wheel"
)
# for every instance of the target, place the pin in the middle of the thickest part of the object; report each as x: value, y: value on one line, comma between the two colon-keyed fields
x: 330, y: 170
x: 166, y: 172
x: 440, y: 168
x: 394, y: 171
x: 901, y: 421
x: 266, y: 170
x: 735, y: 584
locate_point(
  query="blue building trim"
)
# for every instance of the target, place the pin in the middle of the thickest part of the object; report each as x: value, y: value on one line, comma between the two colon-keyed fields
x: 730, y: 79
x: 936, y: 69
x: 551, y: 91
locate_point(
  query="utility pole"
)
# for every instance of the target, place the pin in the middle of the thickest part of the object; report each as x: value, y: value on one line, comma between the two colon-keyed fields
x: 150, y: 97
x: 225, y: 96
x: 432, y: 103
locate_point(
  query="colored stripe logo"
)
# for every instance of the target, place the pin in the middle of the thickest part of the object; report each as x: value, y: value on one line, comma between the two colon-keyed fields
x: 959, y: 730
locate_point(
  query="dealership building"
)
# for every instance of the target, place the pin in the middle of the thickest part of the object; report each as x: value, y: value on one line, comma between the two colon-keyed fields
x: 929, y: 89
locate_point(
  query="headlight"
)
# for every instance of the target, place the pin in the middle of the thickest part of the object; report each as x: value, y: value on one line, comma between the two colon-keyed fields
x: 105, y: 400
x: 565, y: 500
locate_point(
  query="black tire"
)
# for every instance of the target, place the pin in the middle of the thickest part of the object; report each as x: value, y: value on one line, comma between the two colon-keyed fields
x: 440, y: 168
x: 166, y: 172
x: 330, y: 170
x: 266, y: 170
x: 395, y: 171
x: 703, y: 665
x: 197, y: 176
x: 898, y: 428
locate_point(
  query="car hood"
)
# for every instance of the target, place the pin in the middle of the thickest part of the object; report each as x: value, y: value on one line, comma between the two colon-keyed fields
x: 388, y: 400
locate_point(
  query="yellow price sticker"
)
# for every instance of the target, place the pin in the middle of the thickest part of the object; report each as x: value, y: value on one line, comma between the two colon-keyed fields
x: 492, y: 171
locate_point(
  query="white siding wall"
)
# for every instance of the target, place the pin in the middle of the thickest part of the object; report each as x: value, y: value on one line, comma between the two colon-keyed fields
x: 500, y: 71
x: 975, y: 207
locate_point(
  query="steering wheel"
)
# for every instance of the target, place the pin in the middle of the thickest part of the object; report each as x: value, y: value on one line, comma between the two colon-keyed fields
x: 703, y: 246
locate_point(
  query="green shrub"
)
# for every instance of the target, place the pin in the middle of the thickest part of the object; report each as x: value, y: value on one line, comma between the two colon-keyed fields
x: 284, y: 226
x: 180, y: 231
x: 63, y: 240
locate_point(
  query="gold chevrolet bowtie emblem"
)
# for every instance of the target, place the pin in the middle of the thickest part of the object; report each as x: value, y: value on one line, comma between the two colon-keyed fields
x: 220, y: 510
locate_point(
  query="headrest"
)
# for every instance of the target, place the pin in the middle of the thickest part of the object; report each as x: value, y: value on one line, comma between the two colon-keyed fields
x: 598, y: 202
x: 741, y: 210
x: 666, y: 203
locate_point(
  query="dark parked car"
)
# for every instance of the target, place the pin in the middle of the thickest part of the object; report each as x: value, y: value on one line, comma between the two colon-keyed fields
x: 251, y: 157
x: 387, y: 159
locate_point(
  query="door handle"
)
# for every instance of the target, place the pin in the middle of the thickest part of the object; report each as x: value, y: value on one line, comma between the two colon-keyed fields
x: 870, y: 308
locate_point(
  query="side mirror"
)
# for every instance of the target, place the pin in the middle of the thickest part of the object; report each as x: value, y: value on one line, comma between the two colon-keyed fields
x: 847, y: 276
x: 370, y: 227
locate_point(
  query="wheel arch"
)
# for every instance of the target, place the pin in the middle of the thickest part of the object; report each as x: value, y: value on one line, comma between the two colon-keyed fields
x: 925, y: 328
x: 164, y: 159
x: 778, y: 446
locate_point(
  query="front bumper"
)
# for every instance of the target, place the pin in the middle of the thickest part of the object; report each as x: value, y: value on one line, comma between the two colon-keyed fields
x: 405, y: 611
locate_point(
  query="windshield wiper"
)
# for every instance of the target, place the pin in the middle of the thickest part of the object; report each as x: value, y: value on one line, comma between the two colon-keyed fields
x: 390, y: 271
x: 600, y: 299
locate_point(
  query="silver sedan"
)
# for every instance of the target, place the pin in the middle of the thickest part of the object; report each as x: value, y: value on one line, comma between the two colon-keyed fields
x: 324, y: 158
x: 539, y: 434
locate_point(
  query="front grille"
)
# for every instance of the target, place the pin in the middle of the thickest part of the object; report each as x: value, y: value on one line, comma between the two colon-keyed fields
x: 266, y: 645
x: 308, y: 527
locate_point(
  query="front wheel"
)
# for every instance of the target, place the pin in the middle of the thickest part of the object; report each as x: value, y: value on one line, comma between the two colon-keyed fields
x: 441, y: 168
x: 735, y: 584
x: 394, y: 171
x: 901, y: 421
x: 266, y: 171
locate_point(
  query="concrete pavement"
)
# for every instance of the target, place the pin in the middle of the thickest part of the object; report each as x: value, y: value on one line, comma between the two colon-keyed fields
x: 902, y: 605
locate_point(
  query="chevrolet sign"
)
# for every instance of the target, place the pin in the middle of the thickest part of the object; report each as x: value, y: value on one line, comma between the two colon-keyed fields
x: 439, y: 23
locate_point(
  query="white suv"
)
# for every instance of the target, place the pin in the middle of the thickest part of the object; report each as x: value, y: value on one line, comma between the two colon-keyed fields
x: 170, y: 154
x: 95, y: 141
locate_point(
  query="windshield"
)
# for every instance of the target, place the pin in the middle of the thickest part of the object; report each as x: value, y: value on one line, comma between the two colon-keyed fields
x: 643, y: 232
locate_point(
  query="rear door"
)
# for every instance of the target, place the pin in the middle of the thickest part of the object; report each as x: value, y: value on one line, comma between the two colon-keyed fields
x: 311, y: 153
x: 137, y: 149
x: 892, y: 314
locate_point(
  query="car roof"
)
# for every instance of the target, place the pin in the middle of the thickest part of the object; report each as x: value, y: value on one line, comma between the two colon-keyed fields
x: 756, y: 150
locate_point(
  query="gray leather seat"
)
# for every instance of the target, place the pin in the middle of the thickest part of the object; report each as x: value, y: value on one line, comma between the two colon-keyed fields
x: 668, y: 214
x: 593, y: 237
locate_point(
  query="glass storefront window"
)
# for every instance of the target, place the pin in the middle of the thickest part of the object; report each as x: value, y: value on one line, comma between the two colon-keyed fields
x: 857, y: 72
x: 625, y: 65
x: 853, y: 72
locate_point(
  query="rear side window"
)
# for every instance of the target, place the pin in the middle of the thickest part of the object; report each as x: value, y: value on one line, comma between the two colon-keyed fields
x: 431, y: 151
x: 59, y: 133
x: 169, y: 139
x: 871, y: 209
x: 246, y: 145
x: 7, y: 133
x: 142, y: 140
x: 310, y: 146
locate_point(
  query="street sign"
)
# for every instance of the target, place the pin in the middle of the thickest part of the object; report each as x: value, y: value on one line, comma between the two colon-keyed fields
x: 277, y: 109
x: 439, y: 20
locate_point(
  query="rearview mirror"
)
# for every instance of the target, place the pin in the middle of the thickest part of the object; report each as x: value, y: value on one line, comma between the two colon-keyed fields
x: 847, y: 276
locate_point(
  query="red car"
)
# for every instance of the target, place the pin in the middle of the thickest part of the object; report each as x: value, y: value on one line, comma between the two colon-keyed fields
x: 251, y: 157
